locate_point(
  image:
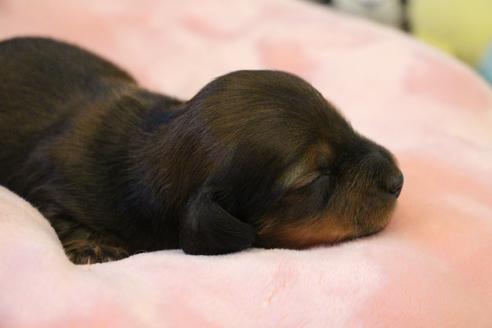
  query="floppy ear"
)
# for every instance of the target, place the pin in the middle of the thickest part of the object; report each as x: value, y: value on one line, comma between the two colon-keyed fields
x: 208, y: 229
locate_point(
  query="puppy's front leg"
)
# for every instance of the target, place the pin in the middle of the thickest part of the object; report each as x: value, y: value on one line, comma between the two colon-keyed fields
x: 88, y: 251
x: 85, y: 246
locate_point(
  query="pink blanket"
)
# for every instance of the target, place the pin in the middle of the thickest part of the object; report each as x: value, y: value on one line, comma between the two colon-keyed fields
x: 432, y: 266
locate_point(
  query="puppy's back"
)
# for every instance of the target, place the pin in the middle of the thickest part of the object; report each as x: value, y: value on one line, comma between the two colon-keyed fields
x: 43, y: 83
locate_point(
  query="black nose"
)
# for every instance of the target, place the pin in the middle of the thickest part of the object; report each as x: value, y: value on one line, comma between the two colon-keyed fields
x: 394, y: 183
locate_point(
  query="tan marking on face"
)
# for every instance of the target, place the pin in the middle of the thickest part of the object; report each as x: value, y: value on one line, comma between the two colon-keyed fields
x: 318, y: 231
x: 306, y: 169
x: 306, y: 234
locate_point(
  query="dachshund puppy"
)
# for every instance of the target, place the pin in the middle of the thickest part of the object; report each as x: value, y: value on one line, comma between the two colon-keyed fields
x: 255, y: 158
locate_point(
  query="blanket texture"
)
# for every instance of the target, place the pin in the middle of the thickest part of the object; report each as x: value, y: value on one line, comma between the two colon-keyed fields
x: 431, y: 267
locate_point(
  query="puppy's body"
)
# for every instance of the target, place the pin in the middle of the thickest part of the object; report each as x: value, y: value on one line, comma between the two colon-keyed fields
x: 72, y: 128
x: 255, y: 158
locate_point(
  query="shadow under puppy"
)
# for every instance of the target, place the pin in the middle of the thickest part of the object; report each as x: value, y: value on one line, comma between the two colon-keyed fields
x: 255, y: 158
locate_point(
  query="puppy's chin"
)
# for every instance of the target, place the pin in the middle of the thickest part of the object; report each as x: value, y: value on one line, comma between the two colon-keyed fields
x: 303, y: 235
x: 324, y: 230
x: 376, y: 222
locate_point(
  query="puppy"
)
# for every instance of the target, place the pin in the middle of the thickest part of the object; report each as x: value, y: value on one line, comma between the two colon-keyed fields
x: 255, y: 158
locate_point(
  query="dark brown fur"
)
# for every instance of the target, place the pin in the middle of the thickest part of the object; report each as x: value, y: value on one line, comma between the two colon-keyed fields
x: 256, y: 158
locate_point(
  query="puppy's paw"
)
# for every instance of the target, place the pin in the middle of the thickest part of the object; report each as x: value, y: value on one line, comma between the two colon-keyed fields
x: 88, y: 252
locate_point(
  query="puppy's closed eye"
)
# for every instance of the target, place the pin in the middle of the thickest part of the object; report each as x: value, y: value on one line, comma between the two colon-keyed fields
x: 305, y: 180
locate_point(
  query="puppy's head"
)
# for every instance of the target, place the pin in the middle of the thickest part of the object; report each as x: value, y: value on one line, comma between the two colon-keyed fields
x: 278, y: 166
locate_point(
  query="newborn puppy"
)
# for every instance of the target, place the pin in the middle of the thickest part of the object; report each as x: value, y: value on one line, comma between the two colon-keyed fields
x: 255, y: 158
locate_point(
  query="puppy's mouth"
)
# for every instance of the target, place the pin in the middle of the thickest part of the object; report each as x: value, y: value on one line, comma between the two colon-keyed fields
x: 327, y: 230
x: 374, y: 223
x: 375, y: 215
x: 370, y: 217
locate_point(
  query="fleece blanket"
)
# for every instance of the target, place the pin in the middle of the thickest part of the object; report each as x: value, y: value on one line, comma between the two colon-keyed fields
x: 431, y: 267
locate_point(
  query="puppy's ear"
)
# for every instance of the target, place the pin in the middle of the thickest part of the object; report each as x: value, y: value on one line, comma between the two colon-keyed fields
x: 208, y: 229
